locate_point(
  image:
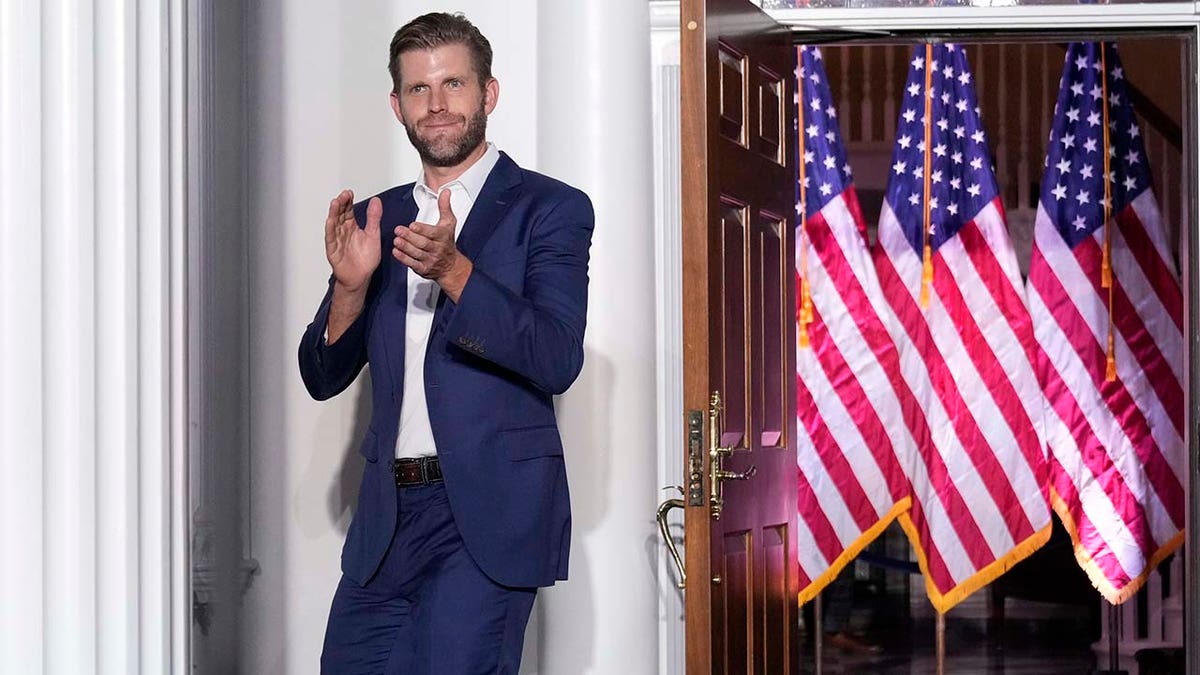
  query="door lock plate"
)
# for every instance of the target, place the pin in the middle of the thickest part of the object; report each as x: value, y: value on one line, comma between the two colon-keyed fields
x: 695, y: 479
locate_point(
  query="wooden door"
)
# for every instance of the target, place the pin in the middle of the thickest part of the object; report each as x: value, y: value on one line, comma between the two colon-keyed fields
x: 739, y: 209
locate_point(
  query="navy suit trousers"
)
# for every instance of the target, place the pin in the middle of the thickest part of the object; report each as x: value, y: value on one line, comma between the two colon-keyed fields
x: 429, y: 608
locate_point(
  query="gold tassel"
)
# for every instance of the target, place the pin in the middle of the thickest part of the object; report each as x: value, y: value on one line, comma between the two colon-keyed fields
x: 806, y: 312
x: 926, y: 276
x: 805, y: 315
x: 1106, y: 264
x: 1110, y: 362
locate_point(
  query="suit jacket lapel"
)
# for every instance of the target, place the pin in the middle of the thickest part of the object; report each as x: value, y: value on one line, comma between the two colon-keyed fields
x: 499, y: 192
x: 494, y: 200
x: 393, y: 299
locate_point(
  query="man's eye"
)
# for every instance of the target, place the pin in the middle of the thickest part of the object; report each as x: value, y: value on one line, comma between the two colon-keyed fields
x: 455, y: 84
x: 417, y: 89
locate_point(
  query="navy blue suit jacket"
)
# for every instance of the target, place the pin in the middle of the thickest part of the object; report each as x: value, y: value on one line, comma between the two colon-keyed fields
x: 495, y: 359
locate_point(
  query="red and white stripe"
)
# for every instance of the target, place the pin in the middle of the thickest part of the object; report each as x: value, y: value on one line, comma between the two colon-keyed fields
x: 851, y: 401
x: 979, y: 484
x: 1117, y: 447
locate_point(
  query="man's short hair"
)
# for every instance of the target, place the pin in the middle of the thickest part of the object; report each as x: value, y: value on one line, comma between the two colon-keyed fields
x: 435, y: 30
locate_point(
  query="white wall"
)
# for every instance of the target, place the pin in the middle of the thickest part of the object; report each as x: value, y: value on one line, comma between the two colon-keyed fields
x: 319, y: 121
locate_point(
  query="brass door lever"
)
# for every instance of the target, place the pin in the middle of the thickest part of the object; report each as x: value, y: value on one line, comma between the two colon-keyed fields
x: 663, y: 529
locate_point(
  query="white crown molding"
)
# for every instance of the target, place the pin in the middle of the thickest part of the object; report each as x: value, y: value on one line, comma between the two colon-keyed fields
x: 1022, y: 17
x: 664, y: 15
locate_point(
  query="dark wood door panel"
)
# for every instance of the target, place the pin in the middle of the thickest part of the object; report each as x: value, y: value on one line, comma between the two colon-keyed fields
x: 770, y: 338
x: 739, y: 335
x: 734, y: 102
x: 737, y: 590
x: 731, y: 334
x: 778, y: 604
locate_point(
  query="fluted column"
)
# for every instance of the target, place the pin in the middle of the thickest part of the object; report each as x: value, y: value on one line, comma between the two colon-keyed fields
x: 593, y: 122
x: 88, y: 127
x: 22, y: 614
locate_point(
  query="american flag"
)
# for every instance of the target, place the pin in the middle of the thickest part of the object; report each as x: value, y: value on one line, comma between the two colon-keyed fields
x: 1116, y: 445
x: 850, y: 396
x: 980, y: 500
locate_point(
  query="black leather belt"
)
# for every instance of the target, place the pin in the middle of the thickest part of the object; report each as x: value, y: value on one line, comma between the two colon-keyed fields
x: 411, y: 471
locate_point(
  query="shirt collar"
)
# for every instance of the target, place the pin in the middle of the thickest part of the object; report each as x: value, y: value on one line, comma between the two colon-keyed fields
x: 471, y: 180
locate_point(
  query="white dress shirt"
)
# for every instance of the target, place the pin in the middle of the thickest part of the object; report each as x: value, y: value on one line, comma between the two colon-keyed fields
x: 415, y: 438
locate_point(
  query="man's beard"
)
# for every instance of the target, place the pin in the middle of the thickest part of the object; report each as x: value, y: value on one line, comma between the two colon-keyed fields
x: 447, y: 151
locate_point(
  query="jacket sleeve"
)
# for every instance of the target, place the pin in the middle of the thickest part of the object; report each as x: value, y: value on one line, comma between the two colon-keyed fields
x: 328, y: 369
x: 539, y: 333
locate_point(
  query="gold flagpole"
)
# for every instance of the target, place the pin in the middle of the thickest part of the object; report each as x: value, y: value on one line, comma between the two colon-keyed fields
x: 927, y: 250
x: 818, y: 634
x: 927, y: 276
x: 1106, y: 272
x: 941, y: 644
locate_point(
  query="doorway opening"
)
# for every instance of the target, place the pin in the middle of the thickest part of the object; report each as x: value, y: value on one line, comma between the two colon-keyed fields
x: 1043, y: 614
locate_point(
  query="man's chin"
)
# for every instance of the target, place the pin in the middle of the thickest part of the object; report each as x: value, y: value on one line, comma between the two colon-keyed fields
x: 441, y: 149
x: 443, y: 159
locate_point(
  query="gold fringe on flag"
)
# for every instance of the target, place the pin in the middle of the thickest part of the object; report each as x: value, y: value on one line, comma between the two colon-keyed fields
x: 1093, y: 570
x: 927, y: 251
x: 1106, y: 272
x: 814, y: 588
x: 945, y: 602
x: 805, y: 314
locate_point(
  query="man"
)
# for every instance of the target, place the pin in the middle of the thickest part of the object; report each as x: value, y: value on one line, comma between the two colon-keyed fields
x: 471, y: 322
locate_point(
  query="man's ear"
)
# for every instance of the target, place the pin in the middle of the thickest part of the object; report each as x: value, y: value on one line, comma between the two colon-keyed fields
x: 395, y: 101
x: 491, y: 94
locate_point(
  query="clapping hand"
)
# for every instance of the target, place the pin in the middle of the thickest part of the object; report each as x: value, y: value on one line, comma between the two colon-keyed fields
x: 429, y: 250
x: 353, y: 252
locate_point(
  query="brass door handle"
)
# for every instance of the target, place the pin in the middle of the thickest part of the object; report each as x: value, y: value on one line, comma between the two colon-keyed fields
x: 716, y: 455
x: 663, y: 509
x: 735, y: 475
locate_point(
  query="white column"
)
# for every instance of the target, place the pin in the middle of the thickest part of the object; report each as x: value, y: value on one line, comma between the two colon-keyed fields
x: 68, y: 272
x: 22, y: 614
x: 594, y: 132
x: 85, y: 353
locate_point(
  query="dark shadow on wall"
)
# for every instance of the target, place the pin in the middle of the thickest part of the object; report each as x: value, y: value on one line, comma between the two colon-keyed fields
x: 265, y: 619
x: 297, y: 55
x: 219, y: 318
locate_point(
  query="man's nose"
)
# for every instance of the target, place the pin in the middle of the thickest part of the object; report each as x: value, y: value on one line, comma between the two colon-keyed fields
x: 437, y: 100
